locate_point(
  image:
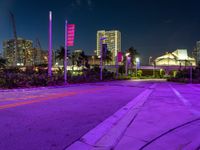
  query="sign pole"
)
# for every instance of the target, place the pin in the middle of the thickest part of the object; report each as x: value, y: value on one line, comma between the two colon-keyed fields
x: 117, y: 67
x: 191, y: 73
x: 65, y: 55
x: 101, y: 61
x: 126, y: 65
x: 50, y: 46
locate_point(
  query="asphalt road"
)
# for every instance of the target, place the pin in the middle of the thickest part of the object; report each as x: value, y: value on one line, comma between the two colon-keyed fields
x: 53, y: 118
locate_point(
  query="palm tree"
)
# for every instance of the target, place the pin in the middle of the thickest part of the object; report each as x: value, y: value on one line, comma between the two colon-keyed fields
x: 61, y: 54
x: 84, y: 58
x: 81, y: 59
x: 133, y: 54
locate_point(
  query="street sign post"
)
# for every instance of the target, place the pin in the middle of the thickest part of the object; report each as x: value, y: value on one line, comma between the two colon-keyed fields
x: 119, y: 58
x: 69, y: 41
x: 101, y: 60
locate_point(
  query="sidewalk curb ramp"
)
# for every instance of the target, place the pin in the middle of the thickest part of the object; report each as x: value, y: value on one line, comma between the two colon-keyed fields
x: 107, y: 134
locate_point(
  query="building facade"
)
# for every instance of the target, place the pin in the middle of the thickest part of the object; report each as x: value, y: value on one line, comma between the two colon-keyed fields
x: 196, y: 52
x: 25, y: 52
x: 113, y: 41
x: 177, y: 58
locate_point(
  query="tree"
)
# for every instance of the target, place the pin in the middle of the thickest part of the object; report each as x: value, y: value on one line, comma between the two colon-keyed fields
x: 60, y: 54
x: 80, y: 59
x: 3, y: 62
x: 107, y: 57
x: 133, y: 54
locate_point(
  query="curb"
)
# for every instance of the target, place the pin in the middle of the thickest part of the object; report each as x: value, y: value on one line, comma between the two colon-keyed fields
x: 107, y: 134
x: 63, y: 86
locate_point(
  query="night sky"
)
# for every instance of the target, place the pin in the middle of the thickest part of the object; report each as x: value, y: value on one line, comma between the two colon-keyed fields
x: 152, y: 27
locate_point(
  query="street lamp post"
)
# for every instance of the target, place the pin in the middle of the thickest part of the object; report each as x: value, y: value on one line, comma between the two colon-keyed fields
x: 191, y: 72
x: 127, y: 54
x: 154, y: 65
x: 93, y: 60
x: 137, y: 60
x: 101, y: 60
x: 150, y: 63
x: 65, y: 54
x: 117, y: 67
x: 50, y: 46
x: 150, y: 60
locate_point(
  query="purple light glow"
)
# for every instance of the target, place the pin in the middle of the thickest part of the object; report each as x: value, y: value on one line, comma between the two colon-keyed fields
x: 50, y: 45
x: 65, y: 55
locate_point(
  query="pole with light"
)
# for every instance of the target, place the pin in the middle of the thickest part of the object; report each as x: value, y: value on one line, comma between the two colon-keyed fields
x: 191, y: 72
x: 137, y: 60
x: 150, y: 60
x: 153, y: 65
x: 127, y: 54
x: 69, y: 41
x: 101, y: 60
x: 50, y: 46
x: 65, y: 54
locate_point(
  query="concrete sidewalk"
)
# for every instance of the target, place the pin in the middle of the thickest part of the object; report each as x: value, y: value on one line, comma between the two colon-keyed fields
x: 159, y: 118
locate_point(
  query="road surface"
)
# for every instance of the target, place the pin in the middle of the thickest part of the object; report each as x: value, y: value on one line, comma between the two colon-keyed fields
x: 54, y: 118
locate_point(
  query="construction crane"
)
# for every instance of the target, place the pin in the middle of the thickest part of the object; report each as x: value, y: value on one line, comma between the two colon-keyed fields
x: 15, y: 38
x: 38, y: 52
x: 38, y: 44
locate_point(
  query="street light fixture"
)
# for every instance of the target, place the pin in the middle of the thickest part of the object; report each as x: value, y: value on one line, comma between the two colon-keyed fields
x: 153, y: 64
x: 137, y: 60
x: 150, y: 58
x: 127, y: 54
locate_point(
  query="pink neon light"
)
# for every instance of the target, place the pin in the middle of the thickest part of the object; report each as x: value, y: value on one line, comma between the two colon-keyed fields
x: 120, y: 56
x: 71, y: 34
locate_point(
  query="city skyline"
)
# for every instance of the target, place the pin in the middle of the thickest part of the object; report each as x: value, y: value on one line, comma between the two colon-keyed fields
x: 151, y: 27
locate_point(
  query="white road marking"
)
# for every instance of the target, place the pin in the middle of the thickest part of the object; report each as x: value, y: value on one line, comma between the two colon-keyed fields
x: 185, y: 101
x: 194, y: 87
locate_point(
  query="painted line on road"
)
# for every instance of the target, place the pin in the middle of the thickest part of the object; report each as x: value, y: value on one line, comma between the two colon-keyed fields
x: 194, y: 87
x: 185, y: 101
x: 108, y: 133
x: 36, y: 101
x: 49, y: 97
x: 22, y: 98
x: 39, y: 96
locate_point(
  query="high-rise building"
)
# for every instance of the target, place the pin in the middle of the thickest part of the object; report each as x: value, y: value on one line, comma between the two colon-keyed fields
x: 25, y: 52
x: 113, y: 41
x: 26, y: 55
